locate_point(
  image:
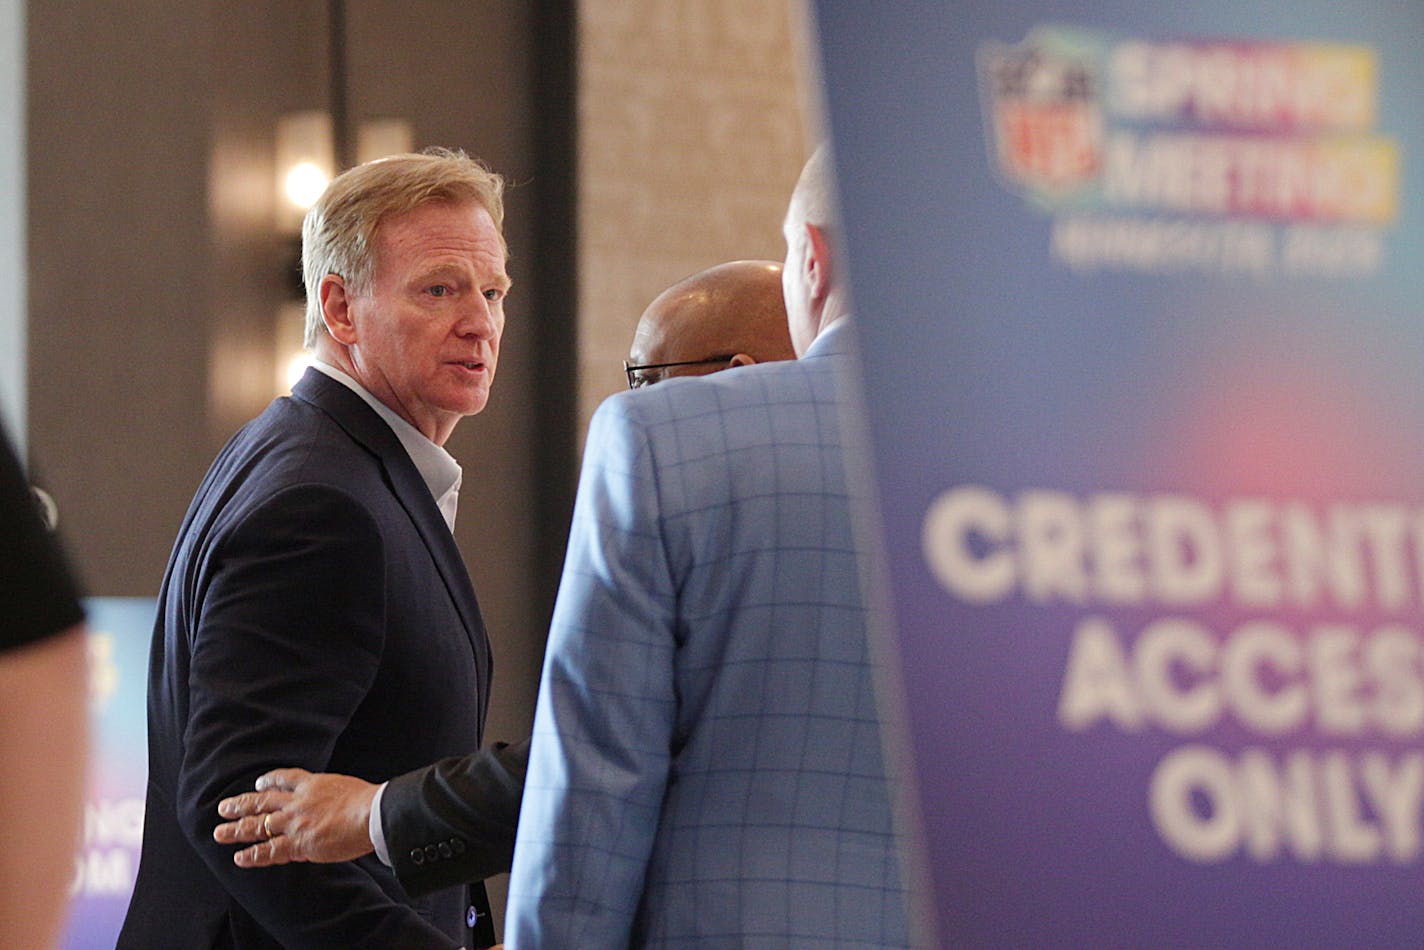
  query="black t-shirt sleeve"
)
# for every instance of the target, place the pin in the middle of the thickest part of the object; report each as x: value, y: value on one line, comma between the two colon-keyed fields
x: 38, y: 594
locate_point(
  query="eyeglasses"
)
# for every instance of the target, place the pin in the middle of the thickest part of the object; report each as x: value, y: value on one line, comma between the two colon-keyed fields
x: 638, y: 382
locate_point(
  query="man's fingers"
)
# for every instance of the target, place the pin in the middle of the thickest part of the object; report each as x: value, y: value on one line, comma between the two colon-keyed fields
x: 255, y: 827
x: 308, y: 817
x: 253, y: 803
x: 285, y: 780
x: 244, y: 831
x: 239, y: 805
x: 266, y: 855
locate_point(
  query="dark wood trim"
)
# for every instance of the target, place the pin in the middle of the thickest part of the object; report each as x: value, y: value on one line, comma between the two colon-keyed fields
x: 554, y: 79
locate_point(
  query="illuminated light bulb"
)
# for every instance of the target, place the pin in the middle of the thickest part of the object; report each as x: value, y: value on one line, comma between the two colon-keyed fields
x: 296, y: 366
x: 305, y: 183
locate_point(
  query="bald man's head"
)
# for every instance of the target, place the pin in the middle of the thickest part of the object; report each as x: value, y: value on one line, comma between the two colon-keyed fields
x: 729, y: 315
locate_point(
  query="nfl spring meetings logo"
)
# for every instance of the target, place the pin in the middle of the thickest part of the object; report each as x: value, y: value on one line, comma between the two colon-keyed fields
x: 1237, y: 158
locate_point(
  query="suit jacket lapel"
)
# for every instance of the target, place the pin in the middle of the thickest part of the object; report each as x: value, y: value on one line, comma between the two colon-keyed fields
x: 362, y: 423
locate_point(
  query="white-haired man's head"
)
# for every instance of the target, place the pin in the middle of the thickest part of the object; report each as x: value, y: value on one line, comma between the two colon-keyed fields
x: 811, y: 281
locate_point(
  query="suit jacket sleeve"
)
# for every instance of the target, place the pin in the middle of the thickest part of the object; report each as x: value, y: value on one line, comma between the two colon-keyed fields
x: 454, y: 821
x: 287, y: 643
x: 604, y: 722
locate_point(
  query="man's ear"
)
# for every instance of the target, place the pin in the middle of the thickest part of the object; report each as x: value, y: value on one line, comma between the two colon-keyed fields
x: 336, y: 309
x: 741, y: 359
x: 818, y: 262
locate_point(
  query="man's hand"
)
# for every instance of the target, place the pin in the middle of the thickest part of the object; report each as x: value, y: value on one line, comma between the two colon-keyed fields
x: 297, y: 815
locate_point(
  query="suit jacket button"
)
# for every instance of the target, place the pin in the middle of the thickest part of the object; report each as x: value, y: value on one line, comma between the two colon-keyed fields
x: 431, y: 852
x: 417, y: 856
x: 445, y: 850
x: 458, y: 844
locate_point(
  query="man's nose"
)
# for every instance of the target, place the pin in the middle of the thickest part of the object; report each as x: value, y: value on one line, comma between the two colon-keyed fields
x: 479, y: 319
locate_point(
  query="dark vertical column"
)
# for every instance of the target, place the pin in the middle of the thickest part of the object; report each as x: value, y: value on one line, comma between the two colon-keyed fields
x: 554, y: 80
x: 337, y: 92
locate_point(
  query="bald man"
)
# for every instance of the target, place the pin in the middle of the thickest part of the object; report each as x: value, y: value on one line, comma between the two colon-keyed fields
x: 729, y: 315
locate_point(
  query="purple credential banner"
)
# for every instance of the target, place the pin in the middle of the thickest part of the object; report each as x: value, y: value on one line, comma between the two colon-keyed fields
x: 120, y: 628
x: 1140, y: 290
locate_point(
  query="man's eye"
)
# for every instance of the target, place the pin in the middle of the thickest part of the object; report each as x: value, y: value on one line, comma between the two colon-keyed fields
x: 494, y: 294
x: 439, y: 290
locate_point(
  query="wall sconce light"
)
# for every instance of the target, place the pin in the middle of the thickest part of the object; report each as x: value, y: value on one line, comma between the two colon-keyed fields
x: 291, y: 359
x: 306, y: 163
x: 306, y: 159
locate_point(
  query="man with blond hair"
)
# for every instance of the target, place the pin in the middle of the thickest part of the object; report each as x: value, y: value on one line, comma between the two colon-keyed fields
x: 734, y: 309
x: 316, y: 611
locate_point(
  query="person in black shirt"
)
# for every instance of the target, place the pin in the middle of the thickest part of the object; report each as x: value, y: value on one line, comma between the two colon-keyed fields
x: 43, y: 716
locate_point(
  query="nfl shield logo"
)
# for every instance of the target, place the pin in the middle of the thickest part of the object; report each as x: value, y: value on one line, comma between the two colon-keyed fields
x: 1047, y: 123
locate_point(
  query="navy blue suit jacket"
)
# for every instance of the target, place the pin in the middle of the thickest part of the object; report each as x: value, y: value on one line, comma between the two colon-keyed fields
x: 315, y: 613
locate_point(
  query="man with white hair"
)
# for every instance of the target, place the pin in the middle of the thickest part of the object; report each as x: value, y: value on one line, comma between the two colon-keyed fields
x: 706, y: 766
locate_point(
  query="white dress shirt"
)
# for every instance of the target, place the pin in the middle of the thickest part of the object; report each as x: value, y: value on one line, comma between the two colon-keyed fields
x: 442, y: 475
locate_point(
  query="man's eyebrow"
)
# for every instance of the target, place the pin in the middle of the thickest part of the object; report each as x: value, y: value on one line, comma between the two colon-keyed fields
x: 441, y: 270
x: 438, y: 271
x: 500, y: 282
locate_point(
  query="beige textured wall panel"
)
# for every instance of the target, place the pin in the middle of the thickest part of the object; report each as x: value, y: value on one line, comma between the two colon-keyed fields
x: 691, y: 136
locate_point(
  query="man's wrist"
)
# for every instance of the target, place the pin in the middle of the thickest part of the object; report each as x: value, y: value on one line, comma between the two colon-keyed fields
x: 375, y: 830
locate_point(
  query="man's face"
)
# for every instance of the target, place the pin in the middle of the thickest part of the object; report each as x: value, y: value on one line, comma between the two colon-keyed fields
x: 427, y: 334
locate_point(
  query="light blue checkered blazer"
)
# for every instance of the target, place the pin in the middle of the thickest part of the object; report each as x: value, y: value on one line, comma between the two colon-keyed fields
x: 706, y: 767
